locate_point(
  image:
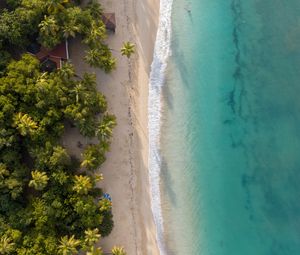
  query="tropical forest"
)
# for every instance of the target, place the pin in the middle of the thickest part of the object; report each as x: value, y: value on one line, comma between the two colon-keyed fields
x: 50, y: 202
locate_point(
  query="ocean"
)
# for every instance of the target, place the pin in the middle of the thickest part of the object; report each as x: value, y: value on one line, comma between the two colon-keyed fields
x: 224, y: 127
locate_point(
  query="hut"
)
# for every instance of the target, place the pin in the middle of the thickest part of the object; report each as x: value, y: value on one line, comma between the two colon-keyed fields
x: 50, y: 59
x: 109, y: 20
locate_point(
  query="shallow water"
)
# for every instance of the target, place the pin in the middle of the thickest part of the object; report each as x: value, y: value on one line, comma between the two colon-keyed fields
x: 230, y: 139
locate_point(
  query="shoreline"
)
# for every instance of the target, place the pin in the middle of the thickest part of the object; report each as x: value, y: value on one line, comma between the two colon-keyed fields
x: 161, y: 55
x: 136, y: 232
x: 126, y: 89
x: 145, y: 31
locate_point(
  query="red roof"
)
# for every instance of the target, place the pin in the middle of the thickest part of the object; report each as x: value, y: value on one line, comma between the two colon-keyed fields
x: 60, y: 51
x: 43, y: 53
x: 57, y: 54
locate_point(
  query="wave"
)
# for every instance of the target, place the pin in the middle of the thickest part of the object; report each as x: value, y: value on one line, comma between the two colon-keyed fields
x: 157, y: 80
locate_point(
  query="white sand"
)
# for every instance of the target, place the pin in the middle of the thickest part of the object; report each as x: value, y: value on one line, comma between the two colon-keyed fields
x: 126, y: 169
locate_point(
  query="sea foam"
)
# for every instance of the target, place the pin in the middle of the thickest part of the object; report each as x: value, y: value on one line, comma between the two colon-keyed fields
x: 157, y: 79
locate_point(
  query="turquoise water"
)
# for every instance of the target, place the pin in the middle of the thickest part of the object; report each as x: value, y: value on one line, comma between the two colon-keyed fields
x: 230, y: 135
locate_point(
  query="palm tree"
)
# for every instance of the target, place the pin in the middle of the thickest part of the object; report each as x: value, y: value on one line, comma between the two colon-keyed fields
x: 66, y: 71
x: 39, y: 180
x: 99, y: 177
x: 94, y: 251
x: 101, y: 57
x: 54, y: 6
x: 93, y: 57
x: 24, y: 124
x: 118, y: 251
x: 70, y: 29
x: 127, y: 49
x: 87, y: 125
x: 59, y: 157
x: 105, y: 205
x: 92, y: 236
x: 78, y: 90
x: 6, y: 245
x: 89, y: 162
x: 104, y: 131
x: 96, y: 34
x: 15, y: 186
x: 36, y: 5
x: 49, y: 26
x: 3, y: 171
x: 93, y: 156
x: 82, y: 184
x: 89, y: 81
x: 68, y: 245
x: 108, y: 63
x: 95, y: 9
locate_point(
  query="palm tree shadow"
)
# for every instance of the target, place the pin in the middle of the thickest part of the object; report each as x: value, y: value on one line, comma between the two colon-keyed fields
x: 189, y: 12
x: 167, y: 182
x: 167, y: 94
x: 180, y: 62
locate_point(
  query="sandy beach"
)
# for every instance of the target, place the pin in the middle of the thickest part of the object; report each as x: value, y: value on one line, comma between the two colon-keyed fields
x: 126, y: 168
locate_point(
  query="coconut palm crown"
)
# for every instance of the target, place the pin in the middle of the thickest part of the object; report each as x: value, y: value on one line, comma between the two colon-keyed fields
x: 128, y: 49
x: 39, y: 180
x: 118, y: 251
x: 68, y: 245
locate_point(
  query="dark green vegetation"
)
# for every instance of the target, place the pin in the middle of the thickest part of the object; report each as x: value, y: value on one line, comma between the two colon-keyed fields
x: 51, y: 22
x: 49, y: 202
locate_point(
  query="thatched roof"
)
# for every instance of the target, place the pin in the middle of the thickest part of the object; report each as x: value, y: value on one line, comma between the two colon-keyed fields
x: 109, y: 20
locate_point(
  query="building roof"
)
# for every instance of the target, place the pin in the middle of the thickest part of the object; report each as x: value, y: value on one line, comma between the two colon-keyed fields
x: 109, y: 20
x: 43, y: 53
x: 59, y: 51
x: 56, y: 55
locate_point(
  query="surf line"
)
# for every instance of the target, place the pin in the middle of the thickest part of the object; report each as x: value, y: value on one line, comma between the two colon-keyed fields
x: 157, y: 80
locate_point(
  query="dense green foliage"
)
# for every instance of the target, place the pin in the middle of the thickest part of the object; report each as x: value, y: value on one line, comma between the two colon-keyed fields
x: 49, y: 202
x: 44, y: 199
x: 51, y: 22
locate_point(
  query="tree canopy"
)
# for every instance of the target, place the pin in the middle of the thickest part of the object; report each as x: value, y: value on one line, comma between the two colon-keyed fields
x: 43, y: 196
x: 49, y: 201
x: 52, y: 21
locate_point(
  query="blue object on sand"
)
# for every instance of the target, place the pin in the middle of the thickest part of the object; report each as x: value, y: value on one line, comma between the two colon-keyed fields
x: 107, y: 196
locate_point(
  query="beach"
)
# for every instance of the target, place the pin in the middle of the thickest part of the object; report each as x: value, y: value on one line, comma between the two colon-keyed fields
x: 126, y: 89
x: 221, y: 126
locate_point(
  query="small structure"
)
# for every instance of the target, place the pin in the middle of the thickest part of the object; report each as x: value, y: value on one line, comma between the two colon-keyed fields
x: 50, y: 59
x: 109, y: 20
